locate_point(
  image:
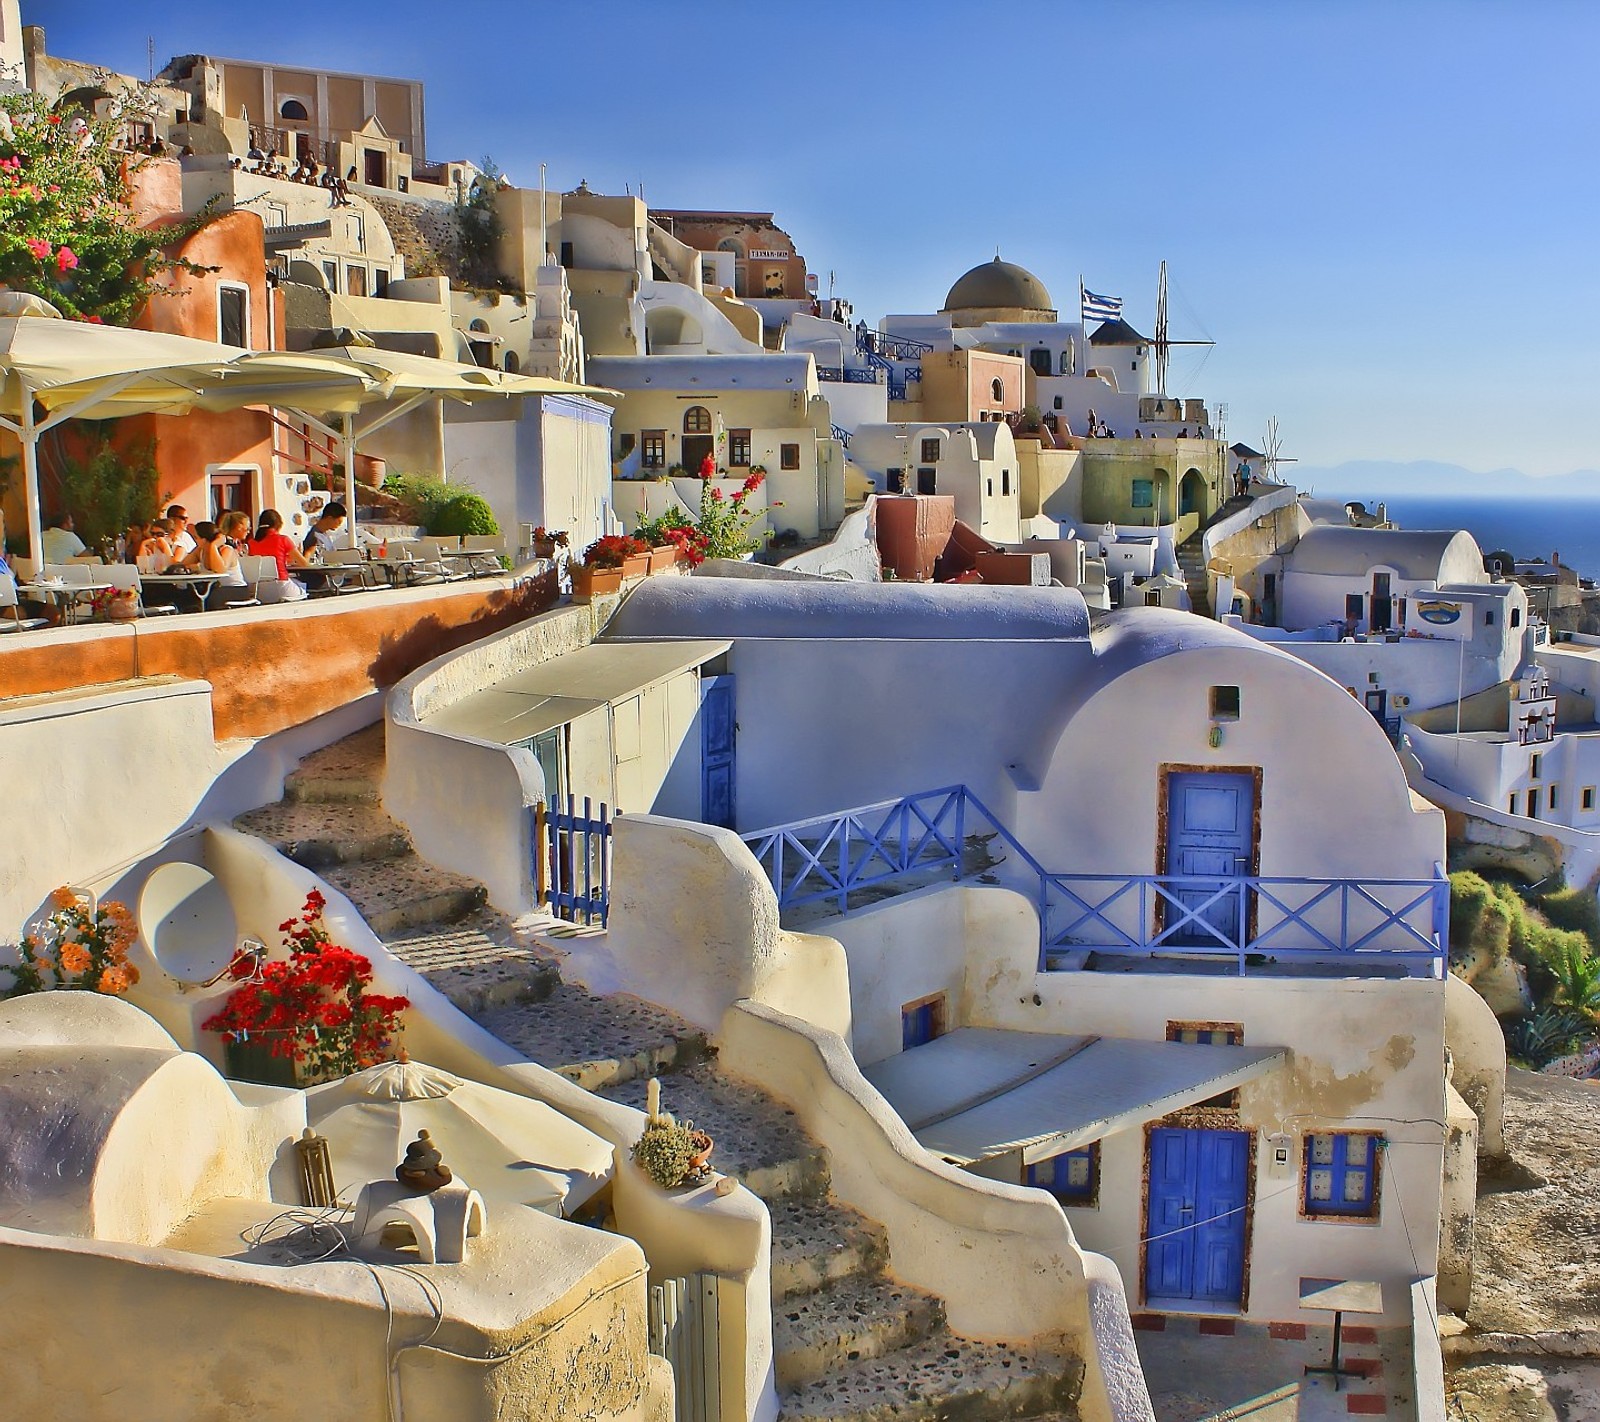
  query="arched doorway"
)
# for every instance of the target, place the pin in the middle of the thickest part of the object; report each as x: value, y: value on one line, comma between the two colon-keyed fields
x: 697, y: 437
x: 1192, y: 493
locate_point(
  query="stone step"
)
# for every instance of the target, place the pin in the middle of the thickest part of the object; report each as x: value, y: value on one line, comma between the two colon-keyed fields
x: 317, y: 834
x: 598, y: 1042
x: 407, y: 892
x: 759, y: 1141
x: 817, y: 1241
x: 479, y: 964
x: 351, y: 769
x: 943, y: 1377
x: 814, y: 1335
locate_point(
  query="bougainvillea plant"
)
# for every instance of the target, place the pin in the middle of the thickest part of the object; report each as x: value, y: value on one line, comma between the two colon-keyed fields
x: 67, y: 232
x: 725, y: 519
x: 79, y: 944
x: 313, y: 1006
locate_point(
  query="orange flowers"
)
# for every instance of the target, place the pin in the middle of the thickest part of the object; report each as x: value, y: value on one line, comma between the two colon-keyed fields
x: 78, y: 945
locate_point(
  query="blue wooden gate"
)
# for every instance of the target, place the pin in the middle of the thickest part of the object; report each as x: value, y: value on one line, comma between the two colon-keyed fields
x: 719, y: 731
x: 573, y: 873
x: 1195, y: 1222
x: 1210, y: 837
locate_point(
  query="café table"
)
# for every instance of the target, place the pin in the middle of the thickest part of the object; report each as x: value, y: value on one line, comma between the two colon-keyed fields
x: 204, y: 585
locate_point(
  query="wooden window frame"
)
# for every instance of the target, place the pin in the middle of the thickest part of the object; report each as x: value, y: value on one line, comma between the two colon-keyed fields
x: 697, y: 420
x: 788, y: 456
x: 652, y: 449
x: 936, y: 1006
x: 738, y: 449
x: 1333, y: 1211
x: 930, y: 450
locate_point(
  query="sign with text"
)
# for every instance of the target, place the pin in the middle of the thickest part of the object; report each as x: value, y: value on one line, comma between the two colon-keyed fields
x: 761, y: 254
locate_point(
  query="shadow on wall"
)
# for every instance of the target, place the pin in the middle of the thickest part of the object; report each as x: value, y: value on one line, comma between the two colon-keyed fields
x: 401, y: 654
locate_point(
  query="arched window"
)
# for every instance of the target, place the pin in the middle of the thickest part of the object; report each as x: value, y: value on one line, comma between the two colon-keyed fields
x: 998, y: 390
x: 512, y: 364
x: 697, y: 420
x: 293, y: 109
x: 731, y: 244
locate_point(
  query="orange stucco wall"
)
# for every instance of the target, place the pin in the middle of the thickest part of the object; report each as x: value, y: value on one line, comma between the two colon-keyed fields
x: 275, y: 667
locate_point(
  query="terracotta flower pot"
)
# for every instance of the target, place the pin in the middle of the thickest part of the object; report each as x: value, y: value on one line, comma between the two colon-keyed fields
x: 702, y: 1155
x: 544, y: 548
x: 636, y: 565
x: 663, y: 559
x: 589, y: 583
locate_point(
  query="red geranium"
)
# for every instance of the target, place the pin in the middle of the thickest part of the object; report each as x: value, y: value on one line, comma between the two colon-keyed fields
x: 314, y: 1004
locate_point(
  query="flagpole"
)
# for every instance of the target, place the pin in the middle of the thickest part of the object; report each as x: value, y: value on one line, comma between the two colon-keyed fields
x: 1081, y: 321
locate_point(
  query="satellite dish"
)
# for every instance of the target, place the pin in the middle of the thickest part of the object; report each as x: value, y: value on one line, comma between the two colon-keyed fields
x: 188, y: 921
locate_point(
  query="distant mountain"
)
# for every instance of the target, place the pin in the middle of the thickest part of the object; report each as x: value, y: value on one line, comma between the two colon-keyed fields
x: 1386, y: 479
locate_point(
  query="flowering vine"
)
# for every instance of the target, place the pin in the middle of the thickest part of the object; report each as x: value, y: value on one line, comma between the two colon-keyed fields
x: 67, y: 232
x: 77, y: 945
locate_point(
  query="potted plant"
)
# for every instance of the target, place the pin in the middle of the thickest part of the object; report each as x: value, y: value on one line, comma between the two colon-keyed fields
x: 662, y: 534
x: 670, y: 1152
x: 79, y: 944
x: 312, y: 1007
x: 545, y: 541
x: 604, y: 565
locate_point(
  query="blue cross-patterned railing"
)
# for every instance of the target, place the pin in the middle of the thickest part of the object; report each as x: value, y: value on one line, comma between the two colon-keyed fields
x: 849, y: 375
x: 1379, y: 924
x: 572, y: 860
x: 842, y: 435
x: 895, y: 347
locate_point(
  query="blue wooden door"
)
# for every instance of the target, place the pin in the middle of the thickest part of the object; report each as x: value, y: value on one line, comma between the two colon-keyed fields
x: 1194, y: 1226
x: 1210, y: 836
x: 718, y: 734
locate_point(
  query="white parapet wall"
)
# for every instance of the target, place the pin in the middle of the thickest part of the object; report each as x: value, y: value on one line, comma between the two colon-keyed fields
x: 466, y: 802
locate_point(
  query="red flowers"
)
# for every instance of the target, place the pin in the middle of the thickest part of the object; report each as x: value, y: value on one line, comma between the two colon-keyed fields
x: 613, y: 550
x: 314, y: 1006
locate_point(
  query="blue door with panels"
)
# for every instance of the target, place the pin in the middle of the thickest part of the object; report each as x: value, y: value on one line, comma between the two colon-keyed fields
x: 718, y: 733
x: 1210, y: 837
x: 1195, y: 1221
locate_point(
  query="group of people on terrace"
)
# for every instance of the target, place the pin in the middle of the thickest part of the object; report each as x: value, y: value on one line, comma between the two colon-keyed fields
x: 268, y: 164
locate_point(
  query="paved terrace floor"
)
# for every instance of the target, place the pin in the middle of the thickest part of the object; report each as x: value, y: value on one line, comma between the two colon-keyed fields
x: 1226, y: 1370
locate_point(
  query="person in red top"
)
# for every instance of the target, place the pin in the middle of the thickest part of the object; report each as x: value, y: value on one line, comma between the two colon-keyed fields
x: 708, y: 467
x: 271, y: 542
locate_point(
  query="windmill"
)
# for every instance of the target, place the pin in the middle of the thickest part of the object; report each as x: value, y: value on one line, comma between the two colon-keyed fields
x: 1272, y: 451
x: 1163, y: 343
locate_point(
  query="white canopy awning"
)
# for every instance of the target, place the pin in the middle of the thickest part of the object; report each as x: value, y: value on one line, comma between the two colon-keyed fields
x: 979, y: 1092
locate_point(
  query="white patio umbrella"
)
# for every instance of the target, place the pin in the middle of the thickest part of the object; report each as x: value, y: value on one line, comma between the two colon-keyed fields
x: 510, y: 1148
x: 75, y: 370
x: 412, y: 380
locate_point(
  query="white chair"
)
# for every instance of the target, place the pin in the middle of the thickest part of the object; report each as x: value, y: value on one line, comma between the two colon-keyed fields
x: 484, y: 552
x: 8, y: 599
x: 94, y: 560
x: 352, y: 558
x: 23, y: 568
x: 125, y: 577
x: 445, y: 555
x: 261, y: 577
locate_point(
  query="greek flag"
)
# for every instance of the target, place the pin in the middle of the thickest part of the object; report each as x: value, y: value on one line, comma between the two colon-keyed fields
x: 1099, y: 308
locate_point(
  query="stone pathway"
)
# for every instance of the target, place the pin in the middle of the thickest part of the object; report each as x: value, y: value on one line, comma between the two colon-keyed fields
x: 851, y: 1343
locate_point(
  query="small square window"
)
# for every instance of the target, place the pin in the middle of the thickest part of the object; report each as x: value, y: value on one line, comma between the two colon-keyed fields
x: 653, y: 449
x: 988, y: 487
x: 1072, y: 1177
x: 738, y: 449
x: 921, y: 1021
x: 1516, y: 617
x: 1341, y: 1174
x: 1143, y: 494
x: 1588, y: 797
x: 788, y: 456
x: 1488, y: 617
x: 1224, y: 703
x: 930, y: 451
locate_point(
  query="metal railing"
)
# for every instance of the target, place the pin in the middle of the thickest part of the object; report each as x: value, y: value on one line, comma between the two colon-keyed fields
x: 1384, y: 923
x: 842, y: 435
x: 572, y: 860
x: 895, y: 347
x: 848, y: 375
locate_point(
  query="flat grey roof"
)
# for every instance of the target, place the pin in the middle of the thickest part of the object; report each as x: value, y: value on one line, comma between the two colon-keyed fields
x: 980, y: 1092
x: 541, y: 697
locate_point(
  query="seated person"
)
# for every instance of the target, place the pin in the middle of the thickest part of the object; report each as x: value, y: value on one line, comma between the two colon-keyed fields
x: 61, y: 542
x: 214, y: 554
x: 323, y: 538
x: 157, y: 550
x: 271, y: 542
x: 182, y: 540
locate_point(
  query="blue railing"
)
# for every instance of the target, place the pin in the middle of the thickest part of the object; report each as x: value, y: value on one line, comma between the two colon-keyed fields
x: 1374, y: 924
x: 895, y: 347
x: 572, y: 860
x: 849, y: 375
x: 842, y: 435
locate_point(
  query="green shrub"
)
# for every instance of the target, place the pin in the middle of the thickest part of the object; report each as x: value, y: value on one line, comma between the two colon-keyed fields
x: 1575, y: 909
x: 664, y: 1151
x: 465, y: 512
x: 107, y: 490
x: 420, y: 496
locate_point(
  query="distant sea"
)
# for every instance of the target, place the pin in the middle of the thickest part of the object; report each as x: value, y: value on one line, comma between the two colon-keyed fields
x: 1524, y: 527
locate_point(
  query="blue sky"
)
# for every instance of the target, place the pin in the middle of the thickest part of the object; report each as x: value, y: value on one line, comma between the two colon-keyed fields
x: 1384, y: 214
